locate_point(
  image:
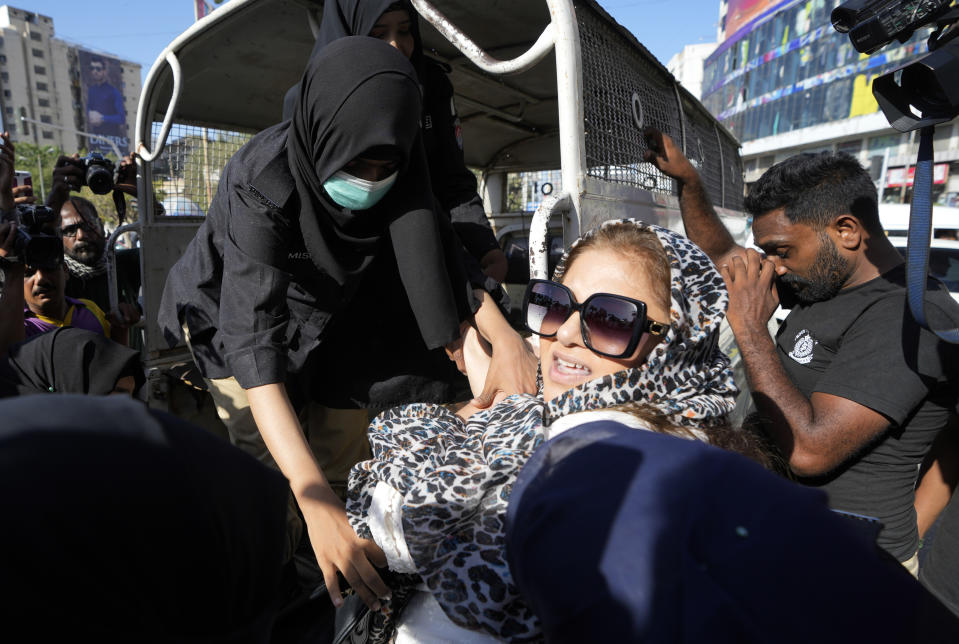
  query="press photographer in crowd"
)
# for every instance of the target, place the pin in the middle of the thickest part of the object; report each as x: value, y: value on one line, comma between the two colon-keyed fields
x: 84, y: 238
x: 65, y: 360
x: 851, y: 389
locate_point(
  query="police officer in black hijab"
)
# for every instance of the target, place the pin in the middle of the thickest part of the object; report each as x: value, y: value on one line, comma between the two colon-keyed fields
x: 323, y: 282
x: 454, y: 184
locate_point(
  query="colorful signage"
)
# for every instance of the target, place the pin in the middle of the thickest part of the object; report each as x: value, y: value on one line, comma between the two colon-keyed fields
x: 740, y: 12
x: 894, y: 176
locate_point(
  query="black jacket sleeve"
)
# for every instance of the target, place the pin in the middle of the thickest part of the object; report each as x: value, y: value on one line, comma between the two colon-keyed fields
x: 453, y: 183
x: 253, y: 306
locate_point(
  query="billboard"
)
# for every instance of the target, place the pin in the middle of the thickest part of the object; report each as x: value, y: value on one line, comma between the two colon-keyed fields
x: 740, y: 12
x: 101, y: 81
x: 896, y: 176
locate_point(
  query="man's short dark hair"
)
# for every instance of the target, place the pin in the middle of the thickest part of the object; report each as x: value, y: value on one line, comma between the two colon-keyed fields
x: 85, y: 208
x: 814, y: 188
x: 98, y: 59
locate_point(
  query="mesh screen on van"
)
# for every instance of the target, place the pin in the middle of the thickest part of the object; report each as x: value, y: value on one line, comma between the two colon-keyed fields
x: 187, y: 173
x: 624, y: 90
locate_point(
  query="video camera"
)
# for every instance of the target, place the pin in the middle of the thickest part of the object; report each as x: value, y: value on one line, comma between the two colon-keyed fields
x: 926, y: 91
x: 917, y: 96
x: 98, y: 172
x: 37, y: 243
x: 873, y: 24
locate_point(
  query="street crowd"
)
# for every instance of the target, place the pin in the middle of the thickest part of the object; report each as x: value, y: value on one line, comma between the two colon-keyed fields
x: 403, y: 465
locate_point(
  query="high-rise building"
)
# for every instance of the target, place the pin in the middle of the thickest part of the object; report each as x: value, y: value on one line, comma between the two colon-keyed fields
x: 687, y: 66
x: 65, y: 87
x: 784, y: 81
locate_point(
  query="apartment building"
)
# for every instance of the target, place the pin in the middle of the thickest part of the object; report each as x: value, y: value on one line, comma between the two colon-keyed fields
x: 48, y: 80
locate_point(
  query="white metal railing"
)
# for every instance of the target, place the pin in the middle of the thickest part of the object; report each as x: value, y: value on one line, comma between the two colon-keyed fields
x: 538, y: 234
x: 168, y: 56
x: 562, y: 36
x: 111, y: 256
x: 142, y: 151
x: 543, y: 45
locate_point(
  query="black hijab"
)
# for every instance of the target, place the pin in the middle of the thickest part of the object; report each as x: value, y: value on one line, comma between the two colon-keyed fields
x: 67, y: 360
x: 343, y: 18
x: 125, y: 524
x: 356, y: 94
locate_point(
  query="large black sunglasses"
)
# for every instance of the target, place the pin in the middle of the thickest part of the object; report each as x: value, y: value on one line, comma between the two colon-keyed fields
x: 611, y: 324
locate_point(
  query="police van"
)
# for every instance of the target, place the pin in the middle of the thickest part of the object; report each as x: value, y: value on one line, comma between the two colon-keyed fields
x: 539, y: 85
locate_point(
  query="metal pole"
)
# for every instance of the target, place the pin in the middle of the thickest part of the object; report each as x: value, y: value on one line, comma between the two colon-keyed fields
x: 561, y: 35
x: 722, y: 165
x: 569, y: 89
x: 206, y: 170
x: 539, y: 233
x: 110, y: 254
x: 43, y: 190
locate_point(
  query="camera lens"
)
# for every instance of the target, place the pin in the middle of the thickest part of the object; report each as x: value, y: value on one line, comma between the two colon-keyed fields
x: 99, y: 179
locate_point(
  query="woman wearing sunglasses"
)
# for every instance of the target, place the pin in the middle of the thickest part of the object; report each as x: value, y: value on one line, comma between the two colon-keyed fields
x: 628, y: 331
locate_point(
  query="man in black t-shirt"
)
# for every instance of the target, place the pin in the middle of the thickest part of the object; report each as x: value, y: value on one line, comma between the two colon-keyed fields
x: 852, y: 390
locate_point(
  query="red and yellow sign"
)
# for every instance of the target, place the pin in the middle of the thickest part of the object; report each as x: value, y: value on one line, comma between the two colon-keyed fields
x: 894, y: 176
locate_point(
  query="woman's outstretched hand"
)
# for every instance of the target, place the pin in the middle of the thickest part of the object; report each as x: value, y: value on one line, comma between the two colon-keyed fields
x: 336, y: 545
x: 338, y: 549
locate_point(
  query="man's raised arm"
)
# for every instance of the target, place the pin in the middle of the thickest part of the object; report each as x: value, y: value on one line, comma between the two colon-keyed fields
x: 702, y: 224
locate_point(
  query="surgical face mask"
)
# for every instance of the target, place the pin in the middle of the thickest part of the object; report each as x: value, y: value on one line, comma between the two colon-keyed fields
x: 355, y: 193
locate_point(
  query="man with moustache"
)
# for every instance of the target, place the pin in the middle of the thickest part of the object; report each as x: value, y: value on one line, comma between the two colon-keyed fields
x: 851, y: 389
x: 46, y: 307
x: 84, y: 242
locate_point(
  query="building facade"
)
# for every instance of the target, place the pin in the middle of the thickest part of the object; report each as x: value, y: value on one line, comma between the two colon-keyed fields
x: 784, y: 81
x: 44, y: 79
x: 687, y: 66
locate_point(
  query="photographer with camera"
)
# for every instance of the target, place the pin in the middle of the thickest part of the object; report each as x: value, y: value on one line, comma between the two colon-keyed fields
x: 68, y: 360
x: 28, y: 240
x: 852, y: 390
x: 84, y: 239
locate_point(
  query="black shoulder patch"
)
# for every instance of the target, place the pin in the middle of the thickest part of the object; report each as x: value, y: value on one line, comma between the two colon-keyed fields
x: 274, y: 184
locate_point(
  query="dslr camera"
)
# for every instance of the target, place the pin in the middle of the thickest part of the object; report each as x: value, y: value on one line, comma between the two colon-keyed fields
x: 38, y: 242
x: 98, y: 173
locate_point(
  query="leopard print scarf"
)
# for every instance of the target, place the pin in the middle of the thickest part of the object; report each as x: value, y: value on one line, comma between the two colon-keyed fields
x: 455, y: 476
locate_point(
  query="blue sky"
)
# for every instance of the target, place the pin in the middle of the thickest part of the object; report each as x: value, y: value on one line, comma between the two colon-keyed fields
x: 138, y: 30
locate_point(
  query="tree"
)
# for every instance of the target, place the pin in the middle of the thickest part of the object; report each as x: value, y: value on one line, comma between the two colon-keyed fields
x: 39, y: 161
x: 106, y: 208
x: 515, y: 199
